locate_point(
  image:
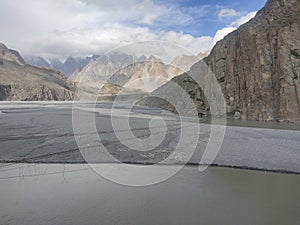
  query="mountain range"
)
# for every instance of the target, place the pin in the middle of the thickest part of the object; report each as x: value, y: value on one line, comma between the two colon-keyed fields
x: 140, y: 73
x: 69, y: 67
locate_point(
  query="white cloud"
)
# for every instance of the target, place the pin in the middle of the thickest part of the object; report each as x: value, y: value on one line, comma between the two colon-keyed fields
x: 82, y: 42
x: 226, y: 13
x: 33, y: 18
x: 220, y: 34
x: 55, y: 28
x: 243, y: 19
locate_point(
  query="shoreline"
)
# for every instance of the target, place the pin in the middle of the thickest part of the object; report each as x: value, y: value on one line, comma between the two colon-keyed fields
x: 214, y: 165
x: 231, y: 122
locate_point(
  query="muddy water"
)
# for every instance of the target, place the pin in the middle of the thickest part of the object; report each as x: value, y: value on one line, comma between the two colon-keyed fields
x: 74, y: 194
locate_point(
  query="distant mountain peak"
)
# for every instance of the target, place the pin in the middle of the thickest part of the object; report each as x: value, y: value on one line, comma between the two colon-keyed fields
x: 3, y: 47
x: 153, y: 58
x: 36, y: 61
x: 142, y: 58
x: 185, y: 62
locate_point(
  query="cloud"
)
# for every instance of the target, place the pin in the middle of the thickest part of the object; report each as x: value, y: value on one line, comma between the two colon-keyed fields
x: 82, y: 42
x: 220, y: 34
x: 226, y: 13
x: 55, y: 28
x: 243, y: 19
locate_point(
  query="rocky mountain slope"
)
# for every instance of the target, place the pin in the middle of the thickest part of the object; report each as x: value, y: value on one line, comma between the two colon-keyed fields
x: 257, y: 66
x: 36, y: 61
x: 10, y: 55
x: 69, y: 67
x: 97, y: 70
x: 145, y: 76
x: 185, y: 62
x: 56, y: 64
x: 28, y: 83
x: 74, y: 65
x: 101, y: 67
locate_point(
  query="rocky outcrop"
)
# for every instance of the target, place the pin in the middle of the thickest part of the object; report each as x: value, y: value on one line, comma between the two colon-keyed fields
x: 109, y: 89
x: 27, y: 92
x: 168, y: 94
x: 258, y: 65
x: 22, y: 82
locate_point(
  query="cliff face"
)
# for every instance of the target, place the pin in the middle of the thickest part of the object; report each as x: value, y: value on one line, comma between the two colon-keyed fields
x: 22, y: 82
x: 257, y: 66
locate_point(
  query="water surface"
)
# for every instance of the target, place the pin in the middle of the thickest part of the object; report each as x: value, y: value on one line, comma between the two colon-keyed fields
x: 74, y: 194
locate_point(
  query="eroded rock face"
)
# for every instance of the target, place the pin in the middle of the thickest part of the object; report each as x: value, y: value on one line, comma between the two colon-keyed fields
x: 18, y: 92
x: 258, y: 65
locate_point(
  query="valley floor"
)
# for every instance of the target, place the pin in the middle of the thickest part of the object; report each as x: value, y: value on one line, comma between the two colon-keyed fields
x: 39, y: 132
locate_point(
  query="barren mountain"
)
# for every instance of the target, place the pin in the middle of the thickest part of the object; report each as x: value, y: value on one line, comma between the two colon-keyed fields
x: 73, y: 65
x: 36, y: 61
x: 10, y: 55
x: 101, y: 67
x: 56, y: 64
x: 94, y: 71
x: 185, y: 62
x: 70, y: 66
x: 146, y: 76
x: 27, y: 83
x: 257, y: 66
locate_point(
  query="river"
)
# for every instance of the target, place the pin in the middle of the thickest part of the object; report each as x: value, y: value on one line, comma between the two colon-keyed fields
x: 73, y: 194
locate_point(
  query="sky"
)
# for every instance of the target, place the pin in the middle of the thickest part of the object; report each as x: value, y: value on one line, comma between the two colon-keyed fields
x: 60, y: 28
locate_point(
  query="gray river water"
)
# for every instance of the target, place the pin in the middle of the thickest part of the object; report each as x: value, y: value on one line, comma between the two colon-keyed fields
x: 74, y: 194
